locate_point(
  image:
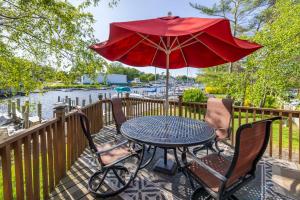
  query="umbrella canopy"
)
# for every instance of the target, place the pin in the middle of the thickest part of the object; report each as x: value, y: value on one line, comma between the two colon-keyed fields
x: 173, y: 42
x: 191, y: 42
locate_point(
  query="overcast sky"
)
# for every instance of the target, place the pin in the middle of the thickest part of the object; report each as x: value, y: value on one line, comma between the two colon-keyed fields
x: 128, y: 10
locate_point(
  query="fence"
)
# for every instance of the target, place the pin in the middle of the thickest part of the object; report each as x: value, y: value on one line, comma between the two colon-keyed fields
x: 34, y: 161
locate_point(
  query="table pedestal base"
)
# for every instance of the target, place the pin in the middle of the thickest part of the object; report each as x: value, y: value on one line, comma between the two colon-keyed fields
x: 168, y: 167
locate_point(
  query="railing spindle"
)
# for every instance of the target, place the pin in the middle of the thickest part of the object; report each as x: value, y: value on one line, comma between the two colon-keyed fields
x: 44, y: 163
x: 27, y: 167
x: 290, y: 122
x: 6, y: 172
x: 36, y: 166
x: 50, y: 157
x: 19, y: 169
x: 280, y: 136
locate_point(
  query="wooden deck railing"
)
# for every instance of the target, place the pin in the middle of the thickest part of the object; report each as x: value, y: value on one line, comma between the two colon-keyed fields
x: 35, y: 160
x: 284, y: 142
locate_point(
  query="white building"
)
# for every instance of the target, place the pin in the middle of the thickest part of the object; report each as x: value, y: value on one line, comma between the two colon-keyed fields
x: 109, y: 79
x: 136, y: 80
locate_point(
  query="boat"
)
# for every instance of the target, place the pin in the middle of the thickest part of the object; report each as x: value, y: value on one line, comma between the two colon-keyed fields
x: 151, y: 90
x: 122, y: 89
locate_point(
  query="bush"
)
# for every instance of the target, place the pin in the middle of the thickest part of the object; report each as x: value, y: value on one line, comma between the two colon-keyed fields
x: 194, y: 95
x: 247, y: 102
x: 214, y: 90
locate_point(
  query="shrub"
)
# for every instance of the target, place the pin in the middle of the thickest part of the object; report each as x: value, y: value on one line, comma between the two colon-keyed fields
x: 214, y: 90
x: 194, y: 95
x: 247, y: 102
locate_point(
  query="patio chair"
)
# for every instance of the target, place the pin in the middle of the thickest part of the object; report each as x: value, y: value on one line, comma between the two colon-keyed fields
x: 218, y: 115
x: 118, y: 113
x: 219, y: 176
x: 120, y: 118
x: 111, y: 159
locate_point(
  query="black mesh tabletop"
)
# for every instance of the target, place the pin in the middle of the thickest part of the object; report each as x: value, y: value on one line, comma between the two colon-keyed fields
x: 167, y: 131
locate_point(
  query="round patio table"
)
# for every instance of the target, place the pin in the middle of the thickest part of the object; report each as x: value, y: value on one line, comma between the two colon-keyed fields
x: 168, y: 132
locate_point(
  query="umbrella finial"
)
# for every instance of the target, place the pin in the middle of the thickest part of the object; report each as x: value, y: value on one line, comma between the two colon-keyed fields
x: 169, y: 14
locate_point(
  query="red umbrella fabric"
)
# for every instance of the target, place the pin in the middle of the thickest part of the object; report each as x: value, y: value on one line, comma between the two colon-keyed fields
x: 189, y: 42
x: 174, y: 42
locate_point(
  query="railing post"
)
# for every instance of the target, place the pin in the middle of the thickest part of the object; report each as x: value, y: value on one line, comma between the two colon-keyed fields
x: 128, y: 107
x: 180, y: 105
x: 59, y: 112
x: 100, y: 97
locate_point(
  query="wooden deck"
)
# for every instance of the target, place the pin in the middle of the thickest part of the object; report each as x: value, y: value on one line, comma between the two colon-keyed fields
x: 275, y: 180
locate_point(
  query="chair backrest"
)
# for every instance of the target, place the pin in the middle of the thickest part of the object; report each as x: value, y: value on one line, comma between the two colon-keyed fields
x: 117, y: 112
x: 219, y: 115
x: 251, y: 142
x: 85, y: 125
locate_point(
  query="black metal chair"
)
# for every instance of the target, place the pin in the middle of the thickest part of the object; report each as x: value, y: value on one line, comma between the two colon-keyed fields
x: 110, y: 158
x: 218, y: 115
x: 220, y: 177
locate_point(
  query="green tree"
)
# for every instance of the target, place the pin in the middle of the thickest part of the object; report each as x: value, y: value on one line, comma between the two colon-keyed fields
x: 245, y: 15
x: 46, y: 32
x: 277, y: 64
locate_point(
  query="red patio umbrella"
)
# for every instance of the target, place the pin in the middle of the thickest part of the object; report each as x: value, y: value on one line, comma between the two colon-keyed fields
x: 173, y: 42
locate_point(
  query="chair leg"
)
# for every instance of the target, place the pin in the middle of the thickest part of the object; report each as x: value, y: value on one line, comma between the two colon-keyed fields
x: 118, y: 176
x: 233, y: 197
x: 207, y: 146
x: 200, y: 190
x: 95, y: 179
x: 150, y: 159
x: 149, y: 148
x: 218, y: 148
x: 186, y: 174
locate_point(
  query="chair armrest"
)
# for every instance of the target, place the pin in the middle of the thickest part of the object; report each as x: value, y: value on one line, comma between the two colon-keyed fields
x: 114, y: 147
x: 209, y: 169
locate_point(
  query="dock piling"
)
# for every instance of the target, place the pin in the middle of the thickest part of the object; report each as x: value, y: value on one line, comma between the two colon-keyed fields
x: 39, y: 109
x: 9, y: 107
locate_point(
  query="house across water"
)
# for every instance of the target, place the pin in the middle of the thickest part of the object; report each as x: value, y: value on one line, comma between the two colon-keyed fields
x: 105, y: 78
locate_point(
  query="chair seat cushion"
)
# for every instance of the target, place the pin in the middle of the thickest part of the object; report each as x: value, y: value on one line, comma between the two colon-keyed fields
x: 214, y: 161
x: 114, y: 154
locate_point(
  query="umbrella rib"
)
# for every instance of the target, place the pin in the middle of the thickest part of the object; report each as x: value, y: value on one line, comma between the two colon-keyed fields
x: 173, y: 42
x: 212, y: 50
x: 134, y: 46
x: 146, y: 38
x: 184, y: 43
x: 181, y: 50
x: 155, y: 54
x: 163, y: 43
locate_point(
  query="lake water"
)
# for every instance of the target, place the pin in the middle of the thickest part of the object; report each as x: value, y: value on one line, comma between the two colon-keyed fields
x: 48, y: 99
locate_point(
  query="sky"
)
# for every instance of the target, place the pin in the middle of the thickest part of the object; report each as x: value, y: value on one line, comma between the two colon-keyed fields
x: 128, y: 10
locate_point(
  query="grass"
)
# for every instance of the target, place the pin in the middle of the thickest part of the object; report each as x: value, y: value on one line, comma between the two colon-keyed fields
x: 275, y: 128
x: 77, y: 86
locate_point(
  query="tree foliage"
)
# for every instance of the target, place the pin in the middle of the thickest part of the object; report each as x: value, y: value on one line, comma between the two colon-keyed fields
x: 46, y: 33
x: 268, y: 74
x: 244, y: 15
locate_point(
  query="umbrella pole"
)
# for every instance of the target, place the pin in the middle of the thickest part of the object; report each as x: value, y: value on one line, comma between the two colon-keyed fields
x: 167, y: 83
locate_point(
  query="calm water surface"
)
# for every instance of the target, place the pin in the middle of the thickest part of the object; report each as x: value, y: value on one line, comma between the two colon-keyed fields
x: 48, y: 99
